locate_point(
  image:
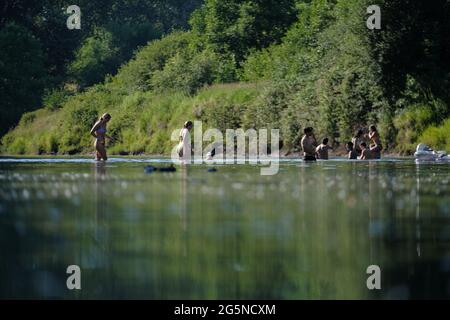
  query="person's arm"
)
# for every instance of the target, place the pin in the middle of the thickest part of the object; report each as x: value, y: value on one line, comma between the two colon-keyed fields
x: 303, y: 144
x: 94, y: 129
x: 109, y: 137
x: 362, y: 156
x: 314, y: 142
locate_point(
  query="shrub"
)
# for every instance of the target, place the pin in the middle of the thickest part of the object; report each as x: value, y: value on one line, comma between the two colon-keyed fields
x: 410, y: 124
x: 18, y: 146
x: 96, y: 57
x: 438, y: 137
x: 27, y: 118
x: 55, y: 99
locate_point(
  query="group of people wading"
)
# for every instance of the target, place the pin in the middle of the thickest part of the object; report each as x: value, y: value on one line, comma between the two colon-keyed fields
x: 356, y: 149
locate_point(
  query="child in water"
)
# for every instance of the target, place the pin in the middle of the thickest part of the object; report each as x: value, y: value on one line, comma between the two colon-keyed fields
x: 352, y: 154
x: 366, y: 154
x: 322, y: 150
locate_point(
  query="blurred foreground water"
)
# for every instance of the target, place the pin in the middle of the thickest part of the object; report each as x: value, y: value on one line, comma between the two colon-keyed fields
x: 309, y: 232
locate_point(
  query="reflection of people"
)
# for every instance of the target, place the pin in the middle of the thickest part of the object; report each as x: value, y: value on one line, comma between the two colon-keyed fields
x: 352, y: 154
x: 100, y: 196
x: 184, y: 146
x: 375, y: 146
x: 98, y: 131
x: 309, y: 145
x: 322, y: 150
x: 184, y: 199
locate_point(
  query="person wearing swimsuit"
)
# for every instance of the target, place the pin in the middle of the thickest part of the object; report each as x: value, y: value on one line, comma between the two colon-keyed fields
x: 184, y: 146
x: 309, y: 145
x: 375, y: 146
x: 98, y: 131
x: 366, y: 154
x: 356, y: 141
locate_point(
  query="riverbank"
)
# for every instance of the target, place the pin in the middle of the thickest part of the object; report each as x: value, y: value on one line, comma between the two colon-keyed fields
x: 291, y: 155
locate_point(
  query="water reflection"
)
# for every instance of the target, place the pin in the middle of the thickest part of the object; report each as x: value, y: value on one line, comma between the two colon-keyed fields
x: 309, y: 232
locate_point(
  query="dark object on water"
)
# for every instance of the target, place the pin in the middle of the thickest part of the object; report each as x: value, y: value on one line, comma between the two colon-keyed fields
x: 170, y: 168
x: 150, y: 169
x: 212, y: 169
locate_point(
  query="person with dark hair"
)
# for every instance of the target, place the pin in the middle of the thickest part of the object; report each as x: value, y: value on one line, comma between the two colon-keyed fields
x: 322, y: 150
x: 357, y: 139
x: 309, y: 144
x: 375, y: 146
x: 98, y: 131
x: 352, y: 154
x: 366, y: 154
x: 184, y: 146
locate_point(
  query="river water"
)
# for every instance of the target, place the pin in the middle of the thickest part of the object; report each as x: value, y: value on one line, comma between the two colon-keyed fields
x: 308, y: 232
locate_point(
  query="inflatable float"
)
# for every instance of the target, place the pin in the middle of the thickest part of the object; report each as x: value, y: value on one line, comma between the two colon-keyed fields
x: 425, y: 153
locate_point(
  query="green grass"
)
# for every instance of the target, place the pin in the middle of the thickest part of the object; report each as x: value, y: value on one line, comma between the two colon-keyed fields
x: 437, y: 136
x: 142, y: 122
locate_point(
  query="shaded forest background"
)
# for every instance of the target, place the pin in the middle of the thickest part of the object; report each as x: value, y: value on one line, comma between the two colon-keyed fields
x: 238, y: 63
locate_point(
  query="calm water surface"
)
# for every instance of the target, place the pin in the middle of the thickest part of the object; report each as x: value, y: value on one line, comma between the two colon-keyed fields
x: 309, y: 232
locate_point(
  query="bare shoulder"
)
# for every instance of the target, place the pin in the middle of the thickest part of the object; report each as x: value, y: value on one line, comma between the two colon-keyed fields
x: 96, y: 124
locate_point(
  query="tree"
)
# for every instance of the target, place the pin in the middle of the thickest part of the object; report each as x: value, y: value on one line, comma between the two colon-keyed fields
x: 236, y: 26
x: 94, y: 59
x: 22, y: 74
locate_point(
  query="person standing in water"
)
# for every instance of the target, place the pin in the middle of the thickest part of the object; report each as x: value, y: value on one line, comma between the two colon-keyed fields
x: 375, y: 146
x: 366, y: 154
x: 98, y: 131
x: 309, y: 145
x: 352, y: 155
x: 356, y: 140
x: 184, y: 146
x: 322, y: 150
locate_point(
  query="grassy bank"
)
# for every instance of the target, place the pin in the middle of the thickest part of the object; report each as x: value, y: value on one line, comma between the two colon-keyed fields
x: 321, y: 67
x: 142, y: 121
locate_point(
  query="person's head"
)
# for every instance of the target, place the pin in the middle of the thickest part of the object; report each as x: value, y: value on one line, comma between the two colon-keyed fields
x: 363, y: 145
x: 359, y: 133
x: 349, y: 146
x: 325, y: 141
x: 188, y: 125
x: 308, y: 131
x: 105, y: 117
x: 372, y: 128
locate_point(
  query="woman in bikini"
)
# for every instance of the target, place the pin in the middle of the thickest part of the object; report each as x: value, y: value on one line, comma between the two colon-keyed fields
x: 98, y: 131
x: 375, y: 146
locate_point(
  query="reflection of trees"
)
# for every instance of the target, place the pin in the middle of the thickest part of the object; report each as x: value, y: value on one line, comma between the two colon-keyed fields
x: 28, y: 269
x: 413, y: 250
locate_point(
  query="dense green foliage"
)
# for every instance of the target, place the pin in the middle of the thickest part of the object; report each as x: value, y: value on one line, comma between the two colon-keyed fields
x: 299, y: 63
x: 22, y: 73
x: 74, y: 59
